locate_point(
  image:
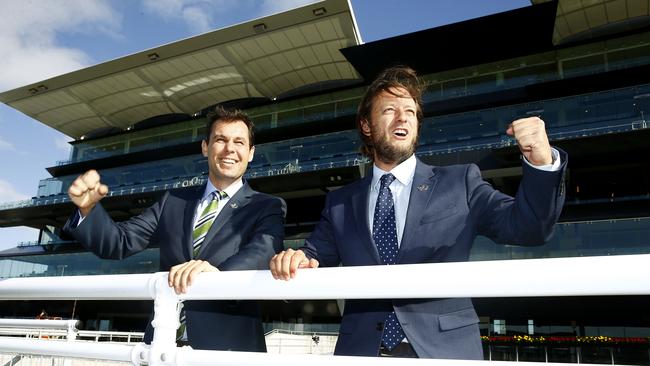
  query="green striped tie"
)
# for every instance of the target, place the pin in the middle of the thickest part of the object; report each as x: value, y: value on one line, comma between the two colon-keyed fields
x: 205, y: 220
x: 201, y: 227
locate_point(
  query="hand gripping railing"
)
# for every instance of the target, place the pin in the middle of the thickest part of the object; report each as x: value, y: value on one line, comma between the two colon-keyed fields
x: 585, y: 276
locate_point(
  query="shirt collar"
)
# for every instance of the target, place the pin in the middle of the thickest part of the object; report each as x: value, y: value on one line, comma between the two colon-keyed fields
x: 230, y: 190
x: 404, y: 172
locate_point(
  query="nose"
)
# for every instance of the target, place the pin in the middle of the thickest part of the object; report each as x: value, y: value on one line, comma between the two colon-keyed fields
x: 229, y: 146
x: 400, y: 115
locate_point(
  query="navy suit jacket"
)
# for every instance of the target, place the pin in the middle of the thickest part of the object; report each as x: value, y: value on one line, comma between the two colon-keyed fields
x: 448, y: 207
x: 247, y: 232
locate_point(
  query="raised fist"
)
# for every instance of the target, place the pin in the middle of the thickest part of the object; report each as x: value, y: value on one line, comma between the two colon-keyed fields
x: 531, y: 137
x: 86, y: 191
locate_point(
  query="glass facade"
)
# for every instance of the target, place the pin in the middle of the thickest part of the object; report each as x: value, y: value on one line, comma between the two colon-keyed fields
x: 324, y: 107
x: 576, y: 239
x: 571, y: 239
x: 584, y: 115
x: 616, y: 54
x: 275, y: 158
x: 77, y: 264
x: 568, y: 353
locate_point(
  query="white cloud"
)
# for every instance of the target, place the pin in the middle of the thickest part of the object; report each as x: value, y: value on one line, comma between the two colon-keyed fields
x: 6, y: 145
x: 9, y: 194
x: 197, y: 14
x: 276, y: 6
x: 202, y: 16
x: 197, y: 19
x: 28, y: 36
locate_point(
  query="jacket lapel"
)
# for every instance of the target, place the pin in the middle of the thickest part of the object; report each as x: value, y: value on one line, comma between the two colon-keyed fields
x: 235, y: 203
x: 424, y: 183
x: 188, y: 219
x: 359, y: 202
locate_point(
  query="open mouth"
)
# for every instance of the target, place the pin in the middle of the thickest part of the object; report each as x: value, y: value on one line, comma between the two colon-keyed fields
x: 400, y: 132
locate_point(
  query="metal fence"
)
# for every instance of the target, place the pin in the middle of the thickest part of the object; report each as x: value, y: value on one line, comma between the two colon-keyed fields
x: 568, y: 277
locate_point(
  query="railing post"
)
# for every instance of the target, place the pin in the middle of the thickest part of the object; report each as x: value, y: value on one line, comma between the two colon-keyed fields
x: 165, y: 323
x: 72, y: 330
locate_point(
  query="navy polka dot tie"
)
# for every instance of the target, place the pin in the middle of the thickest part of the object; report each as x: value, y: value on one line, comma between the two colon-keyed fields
x: 384, y: 234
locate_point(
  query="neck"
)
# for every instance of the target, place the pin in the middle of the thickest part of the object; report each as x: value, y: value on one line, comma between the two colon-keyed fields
x: 385, y: 165
x: 221, y: 184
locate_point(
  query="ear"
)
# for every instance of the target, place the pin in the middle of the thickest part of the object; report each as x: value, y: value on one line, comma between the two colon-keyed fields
x: 204, y: 148
x: 250, y: 156
x: 365, y: 127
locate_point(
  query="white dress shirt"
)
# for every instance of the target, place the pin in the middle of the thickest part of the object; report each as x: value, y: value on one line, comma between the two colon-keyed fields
x: 207, y: 197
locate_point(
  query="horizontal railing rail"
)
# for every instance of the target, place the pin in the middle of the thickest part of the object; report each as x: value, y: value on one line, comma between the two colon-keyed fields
x: 39, y: 323
x: 47, y: 332
x: 300, y: 332
x: 583, y: 276
x: 67, y: 326
x: 535, y: 277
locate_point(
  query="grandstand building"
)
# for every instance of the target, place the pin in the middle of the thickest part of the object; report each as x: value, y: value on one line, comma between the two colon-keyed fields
x: 584, y: 67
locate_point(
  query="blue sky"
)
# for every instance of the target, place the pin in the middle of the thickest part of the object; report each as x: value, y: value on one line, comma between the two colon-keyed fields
x: 40, y: 39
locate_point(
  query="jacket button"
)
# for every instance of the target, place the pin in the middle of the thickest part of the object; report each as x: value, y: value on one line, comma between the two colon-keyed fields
x: 380, y: 326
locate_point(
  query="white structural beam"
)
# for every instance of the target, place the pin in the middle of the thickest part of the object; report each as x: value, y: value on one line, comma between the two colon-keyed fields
x: 113, y: 287
x: 186, y: 356
x: 138, y: 354
x: 62, y: 348
x: 583, y: 276
x: 38, y: 323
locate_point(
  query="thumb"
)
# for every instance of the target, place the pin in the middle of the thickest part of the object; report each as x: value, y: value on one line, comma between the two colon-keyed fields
x: 102, y: 190
x: 308, y: 263
x: 510, y: 131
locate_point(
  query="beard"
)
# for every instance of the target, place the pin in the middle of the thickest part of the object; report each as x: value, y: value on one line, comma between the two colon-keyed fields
x: 390, y: 153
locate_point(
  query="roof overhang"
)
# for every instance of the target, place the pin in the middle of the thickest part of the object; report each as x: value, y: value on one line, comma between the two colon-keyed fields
x: 580, y: 20
x: 264, y: 58
x: 467, y: 43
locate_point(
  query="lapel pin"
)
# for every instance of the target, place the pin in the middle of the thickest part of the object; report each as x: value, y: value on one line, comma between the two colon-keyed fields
x: 423, y: 187
x: 233, y: 205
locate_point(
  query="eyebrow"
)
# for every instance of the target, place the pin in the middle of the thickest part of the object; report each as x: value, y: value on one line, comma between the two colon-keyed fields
x: 235, y: 138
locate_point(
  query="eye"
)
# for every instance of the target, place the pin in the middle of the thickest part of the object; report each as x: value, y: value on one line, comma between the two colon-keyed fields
x: 389, y: 110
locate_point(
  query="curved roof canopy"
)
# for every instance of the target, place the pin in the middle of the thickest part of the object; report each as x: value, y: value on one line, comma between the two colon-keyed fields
x: 267, y: 57
x: 579, y: 20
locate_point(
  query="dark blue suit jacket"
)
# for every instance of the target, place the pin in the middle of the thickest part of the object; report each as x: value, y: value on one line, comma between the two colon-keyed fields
x: 448, y: 207
x: 247, y: 232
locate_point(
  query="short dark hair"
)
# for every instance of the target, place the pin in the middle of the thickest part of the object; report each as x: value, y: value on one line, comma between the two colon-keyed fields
x: 222, y: 114
x: 389, y: 79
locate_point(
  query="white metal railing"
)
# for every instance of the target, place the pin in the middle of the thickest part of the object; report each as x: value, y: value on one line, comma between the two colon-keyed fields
x: 112, y: 336
x: 585, y: 276
x: 69, y: 326
x: 85, y: 335
x: 297, y: 342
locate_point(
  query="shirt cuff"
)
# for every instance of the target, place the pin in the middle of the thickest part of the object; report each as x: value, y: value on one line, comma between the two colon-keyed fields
x: 77, y: 219
x: 553, y: 167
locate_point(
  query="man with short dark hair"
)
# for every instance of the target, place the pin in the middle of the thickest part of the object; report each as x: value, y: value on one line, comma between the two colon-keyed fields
x: 408, y: 212
x: 223, y: 225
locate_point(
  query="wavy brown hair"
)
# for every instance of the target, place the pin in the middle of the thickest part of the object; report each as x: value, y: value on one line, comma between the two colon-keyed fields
x: 388, y: 80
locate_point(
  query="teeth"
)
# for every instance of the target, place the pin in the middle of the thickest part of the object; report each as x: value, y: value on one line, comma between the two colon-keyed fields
x: 228, y: 161
x: 400, y: 132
